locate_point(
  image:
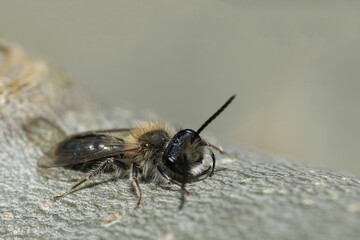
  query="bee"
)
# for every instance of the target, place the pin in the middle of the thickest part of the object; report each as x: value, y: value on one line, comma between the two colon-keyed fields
x: 148, y: 151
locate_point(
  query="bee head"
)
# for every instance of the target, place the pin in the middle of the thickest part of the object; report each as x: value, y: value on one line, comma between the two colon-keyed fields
x: 182, y: 152
x: 186, y: 150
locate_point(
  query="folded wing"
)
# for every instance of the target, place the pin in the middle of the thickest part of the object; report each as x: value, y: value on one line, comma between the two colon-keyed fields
x: 89, y: 146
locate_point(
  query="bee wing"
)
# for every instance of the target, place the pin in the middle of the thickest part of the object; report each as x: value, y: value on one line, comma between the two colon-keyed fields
x: 118, y: 132
x: 89, y: 146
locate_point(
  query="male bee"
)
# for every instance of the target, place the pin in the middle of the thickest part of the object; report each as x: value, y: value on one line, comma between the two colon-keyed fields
x: 148, y: 151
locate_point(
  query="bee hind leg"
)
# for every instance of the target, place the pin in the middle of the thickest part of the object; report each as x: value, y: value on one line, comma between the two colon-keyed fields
x: 136, y: 183
x: 94, y: 173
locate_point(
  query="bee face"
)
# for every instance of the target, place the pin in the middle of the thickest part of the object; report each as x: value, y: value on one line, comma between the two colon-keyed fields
x: 183, y: 151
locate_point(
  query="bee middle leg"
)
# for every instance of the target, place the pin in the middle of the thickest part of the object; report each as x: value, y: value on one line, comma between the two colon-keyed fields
x: 170, y: 180
x: 108, y: 162
x: 136, y: 183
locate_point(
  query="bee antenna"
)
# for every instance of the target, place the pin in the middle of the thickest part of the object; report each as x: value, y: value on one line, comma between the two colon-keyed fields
x: 217, y: 113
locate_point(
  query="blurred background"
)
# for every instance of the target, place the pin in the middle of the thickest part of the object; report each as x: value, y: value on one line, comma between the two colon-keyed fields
x: 294, y: 66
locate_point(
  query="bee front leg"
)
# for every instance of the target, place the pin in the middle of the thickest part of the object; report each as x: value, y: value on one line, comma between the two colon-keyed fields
x: 136, y: 183
x: 94, y: 173
x: 170, y: 180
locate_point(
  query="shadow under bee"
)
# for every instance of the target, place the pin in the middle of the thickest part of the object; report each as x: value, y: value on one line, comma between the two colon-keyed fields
x: 43, y: 133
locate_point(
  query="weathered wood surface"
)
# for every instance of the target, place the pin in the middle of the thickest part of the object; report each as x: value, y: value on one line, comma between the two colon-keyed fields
x: 252, y: 197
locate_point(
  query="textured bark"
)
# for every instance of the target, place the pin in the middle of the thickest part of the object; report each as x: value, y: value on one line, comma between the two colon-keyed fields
x: 254, y: 196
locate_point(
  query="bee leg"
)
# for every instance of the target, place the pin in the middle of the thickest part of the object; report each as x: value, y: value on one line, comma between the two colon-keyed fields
x: 170, y: 180
x: 197, y: 178
x: 97, y: 171
x: 218, y: 149
x: 136, y: 181
x: 214, y: 160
